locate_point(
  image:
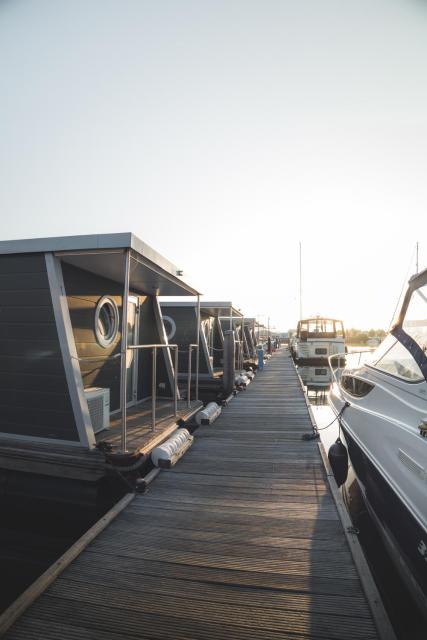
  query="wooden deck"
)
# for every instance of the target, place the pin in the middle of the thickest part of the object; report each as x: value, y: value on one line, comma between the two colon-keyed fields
x: 140, y: 435
x: 242, y: 539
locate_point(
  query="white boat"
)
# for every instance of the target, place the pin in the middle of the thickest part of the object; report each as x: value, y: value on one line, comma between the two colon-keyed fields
x: 317, y: 339
x: 385, y: 429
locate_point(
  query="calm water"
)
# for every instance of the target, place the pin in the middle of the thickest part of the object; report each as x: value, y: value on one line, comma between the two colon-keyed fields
x: 405, y: 617
x: 32, y: 538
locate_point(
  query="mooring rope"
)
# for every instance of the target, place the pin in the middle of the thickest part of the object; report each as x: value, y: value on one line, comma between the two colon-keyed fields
x: 316, y: 429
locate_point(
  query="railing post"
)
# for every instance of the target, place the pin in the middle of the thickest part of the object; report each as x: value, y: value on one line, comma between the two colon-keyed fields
x: 176, y: 381
x: 198, y: 347
x: 124, y: 347
x: 189, y: 377
x: 229, y: 362
x: 153, y: 390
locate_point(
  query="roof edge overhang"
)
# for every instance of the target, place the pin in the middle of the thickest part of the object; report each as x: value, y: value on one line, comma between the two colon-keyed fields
x: 100, y: 243
x: 215, y: 309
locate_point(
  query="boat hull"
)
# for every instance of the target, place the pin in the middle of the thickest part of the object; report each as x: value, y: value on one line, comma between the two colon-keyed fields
x: 404, y: 537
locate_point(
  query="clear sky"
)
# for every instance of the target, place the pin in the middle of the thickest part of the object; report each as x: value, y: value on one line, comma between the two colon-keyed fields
x: 223, y: 132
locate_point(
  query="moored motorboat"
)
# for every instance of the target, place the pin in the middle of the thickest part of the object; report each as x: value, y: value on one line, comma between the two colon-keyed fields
x: 317, y: 339
x: 383, y: 407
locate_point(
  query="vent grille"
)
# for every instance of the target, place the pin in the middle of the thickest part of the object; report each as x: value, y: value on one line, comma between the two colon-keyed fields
x: 412, y: 465
x: 98, y: 402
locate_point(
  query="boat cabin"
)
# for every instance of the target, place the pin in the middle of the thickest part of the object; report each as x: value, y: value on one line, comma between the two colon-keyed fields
x: 80, y: 395
x: 184, y: 324
x: 317, y: 339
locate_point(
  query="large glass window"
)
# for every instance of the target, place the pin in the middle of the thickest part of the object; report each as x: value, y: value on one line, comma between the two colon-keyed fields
x: 398, y: 361
x: 319, y: 328
x: 415, y: 322
x: 339, y: 329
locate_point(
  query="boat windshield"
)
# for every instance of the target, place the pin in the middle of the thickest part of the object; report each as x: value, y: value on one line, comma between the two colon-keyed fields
x: 415, y: 322
x: 404, y: 352
x: 321, y: 328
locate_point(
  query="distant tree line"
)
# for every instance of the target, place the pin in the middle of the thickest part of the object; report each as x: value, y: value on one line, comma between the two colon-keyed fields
x: 361, y: 337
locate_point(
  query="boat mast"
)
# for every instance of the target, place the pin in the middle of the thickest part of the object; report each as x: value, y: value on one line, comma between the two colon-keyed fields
x: 416, y: 259
x: 300, y: 282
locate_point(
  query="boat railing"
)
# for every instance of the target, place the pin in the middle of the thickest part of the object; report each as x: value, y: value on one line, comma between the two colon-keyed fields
x: 337, y: 356
x: 190, y: 351
x: 154, y: 348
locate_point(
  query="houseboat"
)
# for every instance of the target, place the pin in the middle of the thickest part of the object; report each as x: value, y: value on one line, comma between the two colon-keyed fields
x: 383, y: 413
x: 183, y: 322
x: 88, y: 379
x: 317, y: 339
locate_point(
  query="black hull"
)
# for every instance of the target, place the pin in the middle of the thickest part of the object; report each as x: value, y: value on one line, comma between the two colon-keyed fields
x: 403, y: 535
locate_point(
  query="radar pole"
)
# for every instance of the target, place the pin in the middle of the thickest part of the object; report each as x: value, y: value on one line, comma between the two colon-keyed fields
x: 300, y: 282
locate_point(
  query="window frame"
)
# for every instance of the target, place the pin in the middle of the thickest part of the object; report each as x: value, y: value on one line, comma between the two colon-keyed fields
x: 104, y: 342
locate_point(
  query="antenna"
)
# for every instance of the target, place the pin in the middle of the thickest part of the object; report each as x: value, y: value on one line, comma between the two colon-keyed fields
x: 300, y: 281
x: 405, y: 282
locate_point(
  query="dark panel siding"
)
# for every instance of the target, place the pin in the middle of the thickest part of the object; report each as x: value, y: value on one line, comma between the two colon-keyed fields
x: 22, y: 364
x: 25, y: 298
x: 40, y: 331
x: 186, y: 333
x: 218, y: 344
x: 25, y: 264
x: 149, y: 334
x: 18, y: 381
x: 34, y: 398
x: 27, y: 315
x: 84, y: 290
x: 26, y: 281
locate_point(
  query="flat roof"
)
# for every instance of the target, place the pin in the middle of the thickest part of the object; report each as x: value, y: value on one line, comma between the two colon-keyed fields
x: 82, y: 251
x: 215, y: 309
x: 315, y: 318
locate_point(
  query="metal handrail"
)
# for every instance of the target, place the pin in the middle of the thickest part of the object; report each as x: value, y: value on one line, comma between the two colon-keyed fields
x: 190, y: 349
x: 154, y: 348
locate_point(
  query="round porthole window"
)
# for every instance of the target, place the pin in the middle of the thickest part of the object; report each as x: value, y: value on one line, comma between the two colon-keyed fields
x: 170, y: 327
x: 106, y: 321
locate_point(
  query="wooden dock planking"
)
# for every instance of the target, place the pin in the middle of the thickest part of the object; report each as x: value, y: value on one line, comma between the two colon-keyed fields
x: 140, y: 435
x: 241, y: 538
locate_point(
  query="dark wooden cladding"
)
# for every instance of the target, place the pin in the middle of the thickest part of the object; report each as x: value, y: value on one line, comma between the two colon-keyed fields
x: 34, y: 400
x: 22, y: 264
x: 84, y: 290
x: 185, y: 319
x: 28, y: 314
x: 32, y: 331
x: 19, y: 381
x: 218, y: 344
x: 25, y: 298
x: 21, y: 364
x: 98, y: 365
x: 149, y: 334
x: 33, y: 281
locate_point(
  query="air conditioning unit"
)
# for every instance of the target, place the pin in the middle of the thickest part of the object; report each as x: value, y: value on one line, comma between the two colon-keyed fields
x: 98, y: 402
